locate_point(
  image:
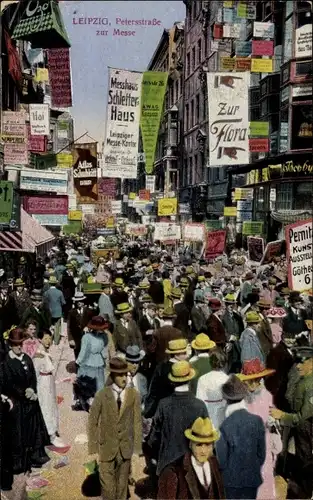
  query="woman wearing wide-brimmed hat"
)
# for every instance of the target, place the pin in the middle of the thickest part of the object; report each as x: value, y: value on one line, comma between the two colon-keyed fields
x: 259, y: 403
x: 94, y: 352
x: 275, y: 316
x: 196, y: 475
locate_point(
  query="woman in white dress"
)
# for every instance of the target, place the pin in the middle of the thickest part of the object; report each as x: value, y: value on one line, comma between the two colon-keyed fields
x: 46, y: 389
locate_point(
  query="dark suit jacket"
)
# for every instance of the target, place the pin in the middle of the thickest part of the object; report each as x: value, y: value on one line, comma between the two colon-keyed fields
x: 233, y: 324
x: 179, y: 481
x: 124, y: 337
x: 241, y: 450
x: 41, y: 318
x: 162, y: 337
x: 216, y: 330
x: 174, y: 415
x: 198, y: 321
x: 292, y: 325
x: 160, y: 387
x: 281, y: 360
x: 182, y: 318
x: 110, y: 430
x: 76, y: 323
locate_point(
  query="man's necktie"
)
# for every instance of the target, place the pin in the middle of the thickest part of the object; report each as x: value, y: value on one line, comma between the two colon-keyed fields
x: 119, y: 401
x: 206, y: 484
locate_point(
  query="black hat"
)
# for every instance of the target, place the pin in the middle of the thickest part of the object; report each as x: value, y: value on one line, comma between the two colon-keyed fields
x: 4, y: 284
x: 302, y: 353
x: 234, y: 389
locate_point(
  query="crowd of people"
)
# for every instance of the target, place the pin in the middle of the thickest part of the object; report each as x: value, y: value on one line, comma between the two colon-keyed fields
x: 205, y: 370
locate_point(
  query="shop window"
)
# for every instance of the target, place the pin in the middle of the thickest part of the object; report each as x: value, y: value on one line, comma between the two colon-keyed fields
x: 288, y: 40
x: 304, y: 68
x: 284, y: 196
x: 302, y: 135
x: 259, y: 201
x: 274, y: 122
x: 303, y: 198
x: 273, y: 104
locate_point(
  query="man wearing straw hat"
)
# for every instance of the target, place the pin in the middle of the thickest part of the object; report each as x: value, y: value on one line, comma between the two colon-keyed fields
x: 126, y: 331
x: 202, y: 346
x: 115, y: 431
x: 197, y: 474
x: 174, y: 414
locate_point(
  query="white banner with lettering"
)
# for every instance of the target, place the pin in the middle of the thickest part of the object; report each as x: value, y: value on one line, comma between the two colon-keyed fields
x: 299, y: 238
x: 39, y: 119
x: 120, y: 151
x: 303, y: 41
x: 165, y: 231
x: 193, y: 232
x: 228, y: 100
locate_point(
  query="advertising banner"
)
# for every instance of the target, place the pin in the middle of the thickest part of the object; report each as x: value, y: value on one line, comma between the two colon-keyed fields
x: 15, y: 154
x: 65, y: 160
x: 263, y: 30
x: 53, y: 182
x: 75, y: 215
x: 136, y: 229
x: 107, y: 187
x: 13, y: 123
x: 230, y: 211
x: 252, y: 228
x: 228, y: 118
x: 193, y: 232
x: 36, y: 143
x: 255, y: 248
x: 150, y: 183
x: 85, y: 172
x: 215, y: 244
x: 60, y: 77
x: 51, y: 220
x: 6, y: 201
x: 303, y: 41
x: 64, y: 135
x: 14, y: 224
x: 122, y: 125
x: 44, y: 205
x: 272, y: 249
x: 299, y: 237
x: 165, y: 231
x: 152, y: 99
x: 39, y: 119
x: 167, y: 207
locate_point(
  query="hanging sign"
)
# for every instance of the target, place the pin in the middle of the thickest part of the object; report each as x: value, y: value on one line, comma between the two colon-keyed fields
x: 153, y: 90
x: 167, y: 206
x: 6, y: 201
x: 215, y: 246
x: 75, y: 215
x: 299, y: 237
x: 39, y: 119
x: 263, y: 30
x: 303, y: 41
x: 85, y: 172
x: 262, y: 47
x: 230, y: 211
x: 261, y: 65
x: 252, y: 228
x: 60, y: 77
x: 255, y: 248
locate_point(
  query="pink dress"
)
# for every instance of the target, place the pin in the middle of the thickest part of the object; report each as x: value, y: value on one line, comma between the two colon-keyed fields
x: 31, y: 346
x: 261, y: 406
x: 276, y: 332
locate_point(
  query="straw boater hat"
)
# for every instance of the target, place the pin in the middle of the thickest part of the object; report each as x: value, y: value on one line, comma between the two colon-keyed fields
x: 264, y: 304
x: 202, y: 343
x: 118, y: 365
x: 234, y: 389
x: 119, y: 282
x: 19, y: 282
x: 230, y: 298
x: 98, y: 323
x: 169, y: 313
x: 53, y: 280
x: 253, y: 369
x: 253, y: 317
x: 189, y: 270
x: 177, y: 346
x: 184, y: 283
x: 284, y: 291
x: 176, y: 293
x: 201, y: 278
x: 79, y: 297
x: 144, y: 284
x: 202, y: 431
x: 134, y: 354
x: 145, y: 299
x: 123, y: 308
x: 181, y: 372
x: 272, y: 281
x: 276, y: 312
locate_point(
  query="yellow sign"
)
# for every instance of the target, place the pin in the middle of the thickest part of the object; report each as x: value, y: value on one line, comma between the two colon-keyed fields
x: 110, y: 223
x: 261, y: 65
x: 230, y: 211
x: 228, y: 4
x: 244, y: 193
x: 131, y: 196
x: 227, y: 63
x: 42, y: 75
x: 75, y: 215
x: 65, y: 160
x: 167, y: 206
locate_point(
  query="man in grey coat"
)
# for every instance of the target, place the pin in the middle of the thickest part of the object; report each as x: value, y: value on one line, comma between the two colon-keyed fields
x: 105, y: 304
x: 54, y: 299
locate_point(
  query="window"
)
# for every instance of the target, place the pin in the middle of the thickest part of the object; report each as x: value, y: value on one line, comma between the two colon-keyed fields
x: 190, y: 170
x: 196, y: 177
x: 187, y: 117
x: 303, y: 196
x: 301, y: 127
x: 259, y: 201
x: 188, y: 64
x: 193, y: 59
x: 284, y: 196
x: 304, y: 68
x: 197, y: 108
x: 264, y: 107
x: 192, y: 114
x: 199, y: 51
x: 303, y: 18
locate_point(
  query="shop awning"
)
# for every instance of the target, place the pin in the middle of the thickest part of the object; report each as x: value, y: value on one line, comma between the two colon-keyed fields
x: 32, y: 238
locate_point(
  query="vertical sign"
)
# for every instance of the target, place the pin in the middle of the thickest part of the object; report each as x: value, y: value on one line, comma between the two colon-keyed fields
x: 122, y: 125
x: 60, y: 77
x: 299, y: 238
x: 39, y: 119
x: 152, y: 99
x: 228, y: 100
x: 85, y: 172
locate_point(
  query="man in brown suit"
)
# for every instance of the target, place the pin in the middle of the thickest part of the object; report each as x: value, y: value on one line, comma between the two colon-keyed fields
x: 115, y: 431
x: 126, y: 332
x: 215, y: 327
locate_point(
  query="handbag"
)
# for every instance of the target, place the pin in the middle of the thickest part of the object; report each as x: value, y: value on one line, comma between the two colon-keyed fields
x: 91, y: 486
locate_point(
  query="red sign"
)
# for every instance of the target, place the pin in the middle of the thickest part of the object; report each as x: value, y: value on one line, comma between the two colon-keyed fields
x: 144, y: 194
x: 107, y: 186
x: 60, y: 77
x: 262, y: 47
x: 218, y: 31
x: 15, y: 68
x: 46, y: 205
x: 215, y: 244
x: 258, y: 145
x: 36, y: 143
x: 242, y: 64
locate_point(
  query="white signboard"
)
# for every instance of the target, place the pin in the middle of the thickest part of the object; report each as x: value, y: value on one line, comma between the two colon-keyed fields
x: 39, y: 119
x: 116, y: 207
x: 299, y: 237
x: 44, y: 180
x: 244, y: 205
x: 193, y: 232
x: 303, y: 41
x: 228, y: 102
x: 263, y: 30
x: 302, y: 90
x: 150, y: 183
x: 165, y: 231
x: 120, y: 153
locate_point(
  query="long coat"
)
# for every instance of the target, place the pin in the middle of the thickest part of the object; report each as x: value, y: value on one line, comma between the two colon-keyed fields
x: 111, y: 431
x: 179, y: 481
x: 265, y: 336
x: 174, y: 415
x: 41, y: 317
x: 76, y: 322
x: 292, y: 325
x: 124, y: 337
x: 18, y: 303
x: 216, y: 330
x: 160, y: 388
x: 250, y: 346
x: 182, y: 319
x: 280, y: 359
